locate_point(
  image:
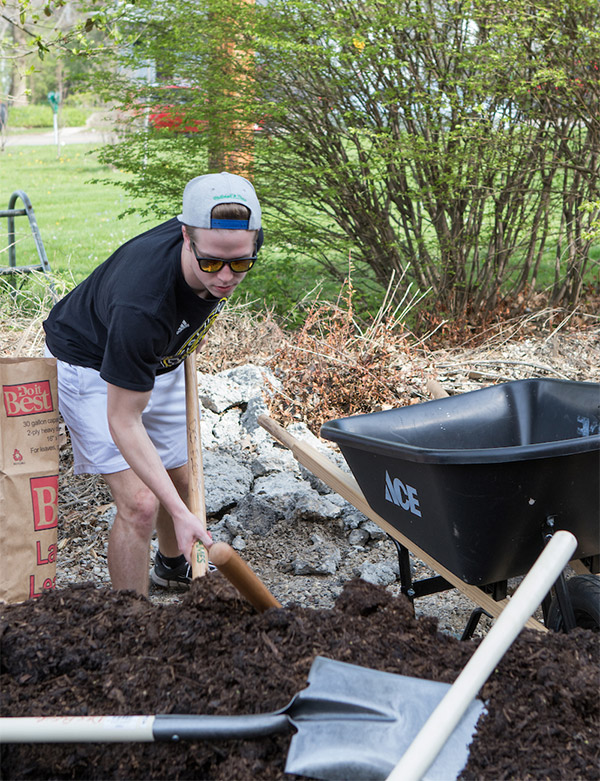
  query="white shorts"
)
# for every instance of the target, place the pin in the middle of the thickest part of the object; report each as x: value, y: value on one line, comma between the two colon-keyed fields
x: 82, y: 404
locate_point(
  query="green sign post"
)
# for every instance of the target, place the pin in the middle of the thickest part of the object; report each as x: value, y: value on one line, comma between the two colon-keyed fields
x: 54, y: 100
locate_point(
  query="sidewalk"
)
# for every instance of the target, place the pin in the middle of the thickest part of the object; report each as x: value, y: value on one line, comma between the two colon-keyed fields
x: 66, y: 135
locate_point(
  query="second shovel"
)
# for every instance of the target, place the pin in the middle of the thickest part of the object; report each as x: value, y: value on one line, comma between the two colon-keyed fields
x: 222, y: 555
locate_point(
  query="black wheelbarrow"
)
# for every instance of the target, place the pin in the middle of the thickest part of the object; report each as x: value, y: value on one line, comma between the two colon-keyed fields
x: 479, y: 479
x: 474, y: 484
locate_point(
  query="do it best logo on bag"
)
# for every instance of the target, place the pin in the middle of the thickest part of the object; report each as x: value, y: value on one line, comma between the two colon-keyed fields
x: 28, y: 477
x: 27, y: 399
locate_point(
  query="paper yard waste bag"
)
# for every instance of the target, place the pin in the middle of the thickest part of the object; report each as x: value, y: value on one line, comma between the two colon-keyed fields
x: 28, y: 477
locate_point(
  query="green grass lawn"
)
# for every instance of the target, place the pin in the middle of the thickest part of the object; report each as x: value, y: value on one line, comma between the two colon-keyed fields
x: 80, y: 226
x: 78, y: 221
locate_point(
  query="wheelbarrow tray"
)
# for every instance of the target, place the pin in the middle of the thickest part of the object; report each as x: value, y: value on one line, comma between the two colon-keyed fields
x: 472, y: 479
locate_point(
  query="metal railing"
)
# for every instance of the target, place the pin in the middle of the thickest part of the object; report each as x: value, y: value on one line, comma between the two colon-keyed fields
x: 13, y: 270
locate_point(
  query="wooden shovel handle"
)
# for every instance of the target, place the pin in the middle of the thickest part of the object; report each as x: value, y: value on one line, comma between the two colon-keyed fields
x: 222, y: 555
x: 196, y: 501
x: 239, y: 574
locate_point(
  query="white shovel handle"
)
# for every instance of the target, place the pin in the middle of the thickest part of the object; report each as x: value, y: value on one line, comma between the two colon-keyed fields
x: 77, y: 729
x: 422, y: 752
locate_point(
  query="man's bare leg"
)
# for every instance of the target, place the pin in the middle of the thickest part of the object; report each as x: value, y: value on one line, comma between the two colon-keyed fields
x: 167, y: 542
x: 129, y: 542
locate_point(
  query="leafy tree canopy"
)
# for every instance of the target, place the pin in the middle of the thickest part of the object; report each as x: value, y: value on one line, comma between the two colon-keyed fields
x: 451, y: 145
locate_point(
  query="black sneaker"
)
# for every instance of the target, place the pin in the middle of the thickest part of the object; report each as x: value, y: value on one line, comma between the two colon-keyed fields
x: 178, y: 577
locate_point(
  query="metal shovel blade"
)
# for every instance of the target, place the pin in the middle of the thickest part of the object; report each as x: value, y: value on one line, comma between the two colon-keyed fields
x: 352, y: 723
x: 356, y: 723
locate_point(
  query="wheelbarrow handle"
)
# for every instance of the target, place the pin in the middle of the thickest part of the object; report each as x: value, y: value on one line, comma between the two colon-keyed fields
x: 278, y: 432
x: 439, y: 726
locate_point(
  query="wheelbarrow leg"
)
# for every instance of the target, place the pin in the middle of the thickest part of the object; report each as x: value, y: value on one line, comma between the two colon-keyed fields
x: 412, y: 590
x: 473, y: 621
x: 406, y: 581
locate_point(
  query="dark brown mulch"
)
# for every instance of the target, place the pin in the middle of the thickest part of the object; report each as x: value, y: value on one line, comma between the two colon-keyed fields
x: 88, y: 651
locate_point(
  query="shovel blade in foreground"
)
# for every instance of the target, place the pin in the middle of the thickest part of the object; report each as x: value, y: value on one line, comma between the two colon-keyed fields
x: 352, y: 723
x: 356, y: 723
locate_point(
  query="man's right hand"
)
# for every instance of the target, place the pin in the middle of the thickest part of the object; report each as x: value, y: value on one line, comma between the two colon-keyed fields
x: 189, y: 530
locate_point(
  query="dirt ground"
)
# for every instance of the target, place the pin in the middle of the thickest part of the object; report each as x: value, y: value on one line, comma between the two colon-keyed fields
x: 89, y: 651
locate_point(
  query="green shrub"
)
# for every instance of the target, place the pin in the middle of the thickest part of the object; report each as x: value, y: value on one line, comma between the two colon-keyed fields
x: 84, y: 100
x: 39, y: 115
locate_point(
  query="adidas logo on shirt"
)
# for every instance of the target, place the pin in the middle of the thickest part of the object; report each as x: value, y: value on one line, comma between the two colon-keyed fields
x: 183, y: 326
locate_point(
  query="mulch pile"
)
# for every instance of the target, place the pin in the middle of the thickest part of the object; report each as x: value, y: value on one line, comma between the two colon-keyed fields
x: 90, y: 651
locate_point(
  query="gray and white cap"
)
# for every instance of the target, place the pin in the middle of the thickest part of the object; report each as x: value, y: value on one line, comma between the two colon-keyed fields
x: 203, y: 193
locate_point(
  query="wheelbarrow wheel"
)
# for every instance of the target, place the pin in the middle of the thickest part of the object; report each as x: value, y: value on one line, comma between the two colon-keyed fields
x: 584, y: 592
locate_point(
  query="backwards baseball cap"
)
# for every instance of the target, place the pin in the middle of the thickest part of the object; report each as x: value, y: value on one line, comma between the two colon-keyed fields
x: 203, y: 193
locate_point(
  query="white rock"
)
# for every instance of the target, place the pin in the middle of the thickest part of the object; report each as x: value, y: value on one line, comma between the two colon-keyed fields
x: 217, y: 393
x: 226, y: 481
x: 228, y: 431
x: 380, y: 574
x: 238, y: 543
x: 358, y: 537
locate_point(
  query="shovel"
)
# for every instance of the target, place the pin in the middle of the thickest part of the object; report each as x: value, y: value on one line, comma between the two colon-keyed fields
x: 352, y: 723
x: 223, y: 556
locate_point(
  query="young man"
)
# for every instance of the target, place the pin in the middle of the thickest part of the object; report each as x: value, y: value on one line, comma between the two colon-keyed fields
x: 120, y: 339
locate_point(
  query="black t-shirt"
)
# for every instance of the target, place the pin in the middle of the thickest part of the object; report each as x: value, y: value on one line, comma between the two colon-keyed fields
x: 135, y: 316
